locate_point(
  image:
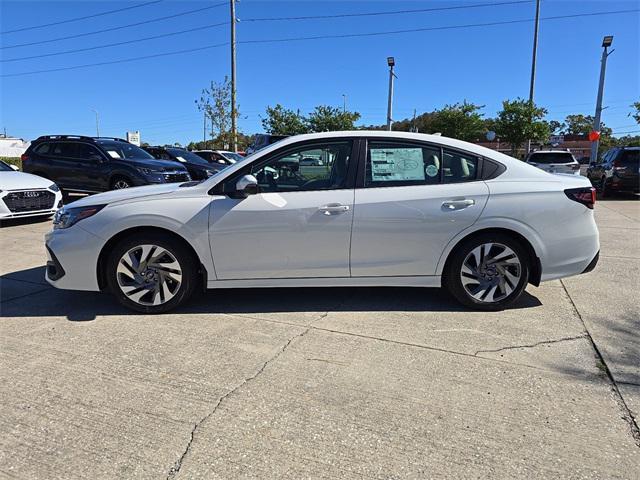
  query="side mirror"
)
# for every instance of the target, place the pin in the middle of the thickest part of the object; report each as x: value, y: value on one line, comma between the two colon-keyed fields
x: 94, y: 157
x: 246, y: 185
x: 14, y: 167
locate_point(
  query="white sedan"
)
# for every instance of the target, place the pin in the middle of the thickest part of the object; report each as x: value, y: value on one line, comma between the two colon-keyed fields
x: 390, y: 208
x: 26, y: 195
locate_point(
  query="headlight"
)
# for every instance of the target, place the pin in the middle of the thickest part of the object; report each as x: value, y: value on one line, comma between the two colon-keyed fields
x: 54, y: 188
x: 66, y: 217
x: 145, y: 170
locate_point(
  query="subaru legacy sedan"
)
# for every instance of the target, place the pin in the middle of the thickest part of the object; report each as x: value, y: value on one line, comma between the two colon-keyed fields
x: 384, y: 208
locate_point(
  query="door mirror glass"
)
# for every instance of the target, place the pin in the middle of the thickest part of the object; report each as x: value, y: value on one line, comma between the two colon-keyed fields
x: 246, y: 185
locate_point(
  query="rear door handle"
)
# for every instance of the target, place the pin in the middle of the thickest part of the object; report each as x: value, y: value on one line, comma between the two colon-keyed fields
x: 334, y: 209
x: 458, y: 204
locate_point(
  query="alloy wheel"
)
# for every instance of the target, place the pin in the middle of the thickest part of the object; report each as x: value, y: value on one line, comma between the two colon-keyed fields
x: 119, y: 184
x: 490, y: 272
x: 149, y: 275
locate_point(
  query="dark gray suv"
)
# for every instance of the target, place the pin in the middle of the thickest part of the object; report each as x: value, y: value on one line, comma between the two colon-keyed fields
x: 97, y: 164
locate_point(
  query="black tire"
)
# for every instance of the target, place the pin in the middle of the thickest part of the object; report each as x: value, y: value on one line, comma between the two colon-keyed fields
x: 452, y: 279
x: 118, y: 183
x: 188, y: 265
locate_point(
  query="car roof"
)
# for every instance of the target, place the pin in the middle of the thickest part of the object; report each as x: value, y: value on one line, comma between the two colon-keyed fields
x: 549, y: 151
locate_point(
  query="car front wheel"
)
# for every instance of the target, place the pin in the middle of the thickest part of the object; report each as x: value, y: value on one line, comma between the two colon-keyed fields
x: 488, y: 272
x: 151, y: 273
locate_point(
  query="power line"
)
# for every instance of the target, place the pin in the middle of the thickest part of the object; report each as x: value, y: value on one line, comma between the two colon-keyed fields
x: 451, y: 27
x: 97, y: 47
x: 393, y: 12
x: 426, y: 29
x: 61, y: 22
x: 111, y: 29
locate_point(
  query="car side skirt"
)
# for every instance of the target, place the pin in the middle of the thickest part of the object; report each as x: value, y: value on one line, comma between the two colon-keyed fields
x: 402, y: 281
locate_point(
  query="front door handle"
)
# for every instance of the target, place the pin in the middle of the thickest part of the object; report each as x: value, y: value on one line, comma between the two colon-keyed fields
x: 458, y: 204
x: 334, y: 209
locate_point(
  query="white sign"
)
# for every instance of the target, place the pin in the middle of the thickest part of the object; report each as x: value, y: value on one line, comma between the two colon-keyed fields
x: 556, y: 139
x: 134, y: 137
x: 389, y: 164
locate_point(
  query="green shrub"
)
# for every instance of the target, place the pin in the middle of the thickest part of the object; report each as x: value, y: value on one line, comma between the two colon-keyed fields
x: 12, y: 161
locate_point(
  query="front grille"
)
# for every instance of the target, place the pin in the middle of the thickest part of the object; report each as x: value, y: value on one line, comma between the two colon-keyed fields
x: 29, y: 201
x: 176, y: 177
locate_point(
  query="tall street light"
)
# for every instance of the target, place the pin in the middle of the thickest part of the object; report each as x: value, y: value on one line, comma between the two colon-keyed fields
x: 595, y: 143
x: 391, y: 62
x: 97, y: 125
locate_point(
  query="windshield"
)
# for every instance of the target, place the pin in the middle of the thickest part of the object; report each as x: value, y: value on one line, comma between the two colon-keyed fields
x: 187, y: 156
x: 123, y: 150
x: 5, y: 168
x: 552, y: 157
x: 235, y: 157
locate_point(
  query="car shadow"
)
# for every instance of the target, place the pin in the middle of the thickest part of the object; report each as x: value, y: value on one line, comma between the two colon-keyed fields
x: 15, y: 222
x: 86, y: 306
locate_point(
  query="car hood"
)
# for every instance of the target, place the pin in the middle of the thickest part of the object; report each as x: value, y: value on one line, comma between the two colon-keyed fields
x: 21, y: 180
x: 126, y: 194
x: 154, y: 164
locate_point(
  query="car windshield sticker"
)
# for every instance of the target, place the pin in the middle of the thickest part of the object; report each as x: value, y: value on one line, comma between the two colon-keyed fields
x: 113, y: 154
x: 180, y: 159
x: 431, y: 170
x: 392, y: 164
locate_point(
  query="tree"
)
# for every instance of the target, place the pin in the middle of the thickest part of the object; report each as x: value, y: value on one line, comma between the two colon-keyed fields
x: 215, y: 103
x: 636, y: 113
x: 461, y: 121
x: 325, y: 118
x: 521, y: 120
x: 282, y: 121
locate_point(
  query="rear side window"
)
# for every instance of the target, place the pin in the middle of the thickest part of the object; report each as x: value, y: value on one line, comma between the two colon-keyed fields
x: 458, y: 167
x: 630, y: 159
x: 394, y: 164
x: 66, y: 149
x: 42, y: 149
x: 552, y: 157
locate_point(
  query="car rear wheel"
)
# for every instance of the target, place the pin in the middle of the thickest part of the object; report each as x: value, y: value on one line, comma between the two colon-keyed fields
x: 151, y: 273
x: 488, y: 272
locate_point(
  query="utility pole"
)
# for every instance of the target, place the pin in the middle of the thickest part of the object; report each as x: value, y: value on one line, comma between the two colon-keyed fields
x: 204, y: 127
x: 414, y: 129
x: 534, y: 58
x: 234, y: 127
x: 606, y: 43
x: 97, y: 123
x: 391, y: 62
x: 344, y: 103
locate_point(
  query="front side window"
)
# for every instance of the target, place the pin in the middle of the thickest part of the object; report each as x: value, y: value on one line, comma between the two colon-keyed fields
x: 66, y: 149
x: 312, y: 167
x: 393, y: 164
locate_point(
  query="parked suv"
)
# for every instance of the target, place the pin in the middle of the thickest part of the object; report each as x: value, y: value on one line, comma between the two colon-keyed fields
x: 88, y: 164
x: 198, y: 167
x: 554, y: 161
x: 617, y: 170
x: 219, y: 156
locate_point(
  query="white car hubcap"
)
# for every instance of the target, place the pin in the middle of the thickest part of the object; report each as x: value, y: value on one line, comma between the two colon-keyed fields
x: 490, y: 272
x: 149, y: 275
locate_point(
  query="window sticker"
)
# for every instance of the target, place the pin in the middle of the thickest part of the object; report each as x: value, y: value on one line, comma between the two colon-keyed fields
x: 180, y: 159
x: 393, y: 164
x: 431, y: 171
x: 113, y: 154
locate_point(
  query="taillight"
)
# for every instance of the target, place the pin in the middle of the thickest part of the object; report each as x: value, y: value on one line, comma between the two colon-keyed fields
x: 617, y: 167
x: 585, y: 196
x: 24, y: 157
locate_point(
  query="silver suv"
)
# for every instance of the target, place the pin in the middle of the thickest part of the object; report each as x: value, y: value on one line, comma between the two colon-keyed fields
x: 554, y: 161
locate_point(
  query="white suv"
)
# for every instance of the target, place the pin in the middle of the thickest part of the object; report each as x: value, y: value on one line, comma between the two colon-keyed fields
x: 554, y: 161
x: 384, y: 208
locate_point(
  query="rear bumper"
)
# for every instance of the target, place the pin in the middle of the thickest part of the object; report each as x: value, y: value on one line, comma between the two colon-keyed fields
x: 592, y: 264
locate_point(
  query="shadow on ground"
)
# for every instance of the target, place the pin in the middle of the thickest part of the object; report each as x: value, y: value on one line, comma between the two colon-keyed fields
x: 86, y: 306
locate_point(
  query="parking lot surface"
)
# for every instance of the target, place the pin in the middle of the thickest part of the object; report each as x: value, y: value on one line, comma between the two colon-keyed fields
x: 324, y: 383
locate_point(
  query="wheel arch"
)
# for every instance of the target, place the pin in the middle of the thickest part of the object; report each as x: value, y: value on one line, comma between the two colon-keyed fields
x: 535, y: 264
x: 108, y: 246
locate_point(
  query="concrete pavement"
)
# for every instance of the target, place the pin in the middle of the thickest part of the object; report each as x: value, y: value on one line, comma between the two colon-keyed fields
x: 324, y: 383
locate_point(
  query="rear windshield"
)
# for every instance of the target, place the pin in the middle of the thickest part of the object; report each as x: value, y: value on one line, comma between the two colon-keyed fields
x: 123, y: 150
x: 630, y: 159
x: 187, y: 156
x: 552, y: 157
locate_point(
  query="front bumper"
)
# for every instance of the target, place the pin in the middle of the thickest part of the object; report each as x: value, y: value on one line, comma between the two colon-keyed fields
x: 72, y: 258
x: 6, y: 212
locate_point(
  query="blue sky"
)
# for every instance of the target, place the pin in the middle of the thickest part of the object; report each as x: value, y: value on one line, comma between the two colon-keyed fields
x: 484, y: 65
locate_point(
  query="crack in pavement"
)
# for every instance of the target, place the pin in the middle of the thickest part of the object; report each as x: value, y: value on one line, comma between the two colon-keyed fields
x: 175, y: 469
x: 532, y: 345
x: 627, y: 416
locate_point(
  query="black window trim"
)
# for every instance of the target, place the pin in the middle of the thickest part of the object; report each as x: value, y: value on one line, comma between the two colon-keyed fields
x: 480, y: 176
x: 356, y: 152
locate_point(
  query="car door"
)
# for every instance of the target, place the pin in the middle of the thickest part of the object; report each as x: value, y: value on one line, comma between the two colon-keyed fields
x: 297, y: 225
x: 65, y: 165
x: 411, y: 200
x: 90, y: 169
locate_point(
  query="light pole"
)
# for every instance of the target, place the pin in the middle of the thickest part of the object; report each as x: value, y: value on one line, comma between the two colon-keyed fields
x: 391, y: 62
x: 234, y: 127
x: 344, y: 103
x: 97, y: 123
x: 606, y: 43
x: 534, y: 59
